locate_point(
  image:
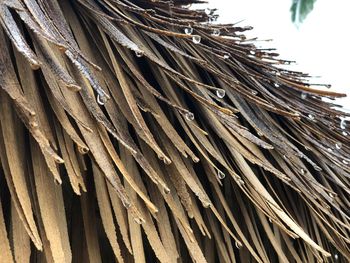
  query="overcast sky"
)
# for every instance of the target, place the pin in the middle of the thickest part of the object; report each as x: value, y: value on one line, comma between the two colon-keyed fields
x: 320, y: 45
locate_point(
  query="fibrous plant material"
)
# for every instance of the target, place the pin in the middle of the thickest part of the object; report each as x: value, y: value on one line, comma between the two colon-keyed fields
x: 139, y: 131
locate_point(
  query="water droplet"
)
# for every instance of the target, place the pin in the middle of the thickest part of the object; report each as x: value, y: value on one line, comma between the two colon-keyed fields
x: 139, y: 53
x: 83, y: 150
x: 329, y: 150
x: 342, y: 124
x: 164, y: 159
x: 101, y: 99
x: 317, y: 168
x: 213, y: 18
x: 139, y: 220
x: 196, y: 39
x: 216, y: 32
x: 277, y: 85
x: 238, y: 244
x: 345, y: 133
x: 336, y: 256
x: 220, y: 93
x: 57, y: 181
x: 220, y: 175
x: 188, y: 30
x: 303, y: 95
x: 189, y: 116
x: 311, y: 117
x: 254, y: 92
x: 252, y: 52
x: 226, y: 56
x: 345, y: 162
x: 270, y: 220
x: 338, y: 146
x: 240, y: 182
x: 332, y: 195
x: 195, y: 159
x: 166, y: 191
x: 302, y: 171
x: 206, y: 204
x: 260, y: 133
x: 126, y: 204
x: 208, y: 11
x: 33, y: 124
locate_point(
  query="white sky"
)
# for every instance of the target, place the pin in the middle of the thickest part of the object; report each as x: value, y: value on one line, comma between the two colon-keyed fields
x: 321, y: 45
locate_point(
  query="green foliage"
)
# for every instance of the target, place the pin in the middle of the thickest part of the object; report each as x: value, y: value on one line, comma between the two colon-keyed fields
x: 300, y: 9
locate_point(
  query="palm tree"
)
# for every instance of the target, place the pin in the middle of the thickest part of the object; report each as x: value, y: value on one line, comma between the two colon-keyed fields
x: 138, y: 131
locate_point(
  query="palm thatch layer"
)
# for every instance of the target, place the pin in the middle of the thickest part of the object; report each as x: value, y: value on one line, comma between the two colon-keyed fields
x: 139, y: 132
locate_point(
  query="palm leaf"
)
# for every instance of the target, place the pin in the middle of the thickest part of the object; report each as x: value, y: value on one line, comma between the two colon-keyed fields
x: 139, y: 131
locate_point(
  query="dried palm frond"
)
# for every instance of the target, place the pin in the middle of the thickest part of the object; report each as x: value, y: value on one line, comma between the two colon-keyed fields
x: 136, y: 131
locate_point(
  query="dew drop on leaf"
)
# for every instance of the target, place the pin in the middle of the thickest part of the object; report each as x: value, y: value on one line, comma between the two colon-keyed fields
x: 189, y: 116
x: 220, y: 93
x: 196, y: 39
x: 216, y: 32
x: 188, y: 30
x: 101, y: 99
x: 220, y: 175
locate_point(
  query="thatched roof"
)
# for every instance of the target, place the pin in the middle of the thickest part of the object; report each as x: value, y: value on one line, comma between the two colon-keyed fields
x: 137, y: 130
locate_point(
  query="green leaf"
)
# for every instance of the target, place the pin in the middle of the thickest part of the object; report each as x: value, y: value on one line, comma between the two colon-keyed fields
x: 300, y: 9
